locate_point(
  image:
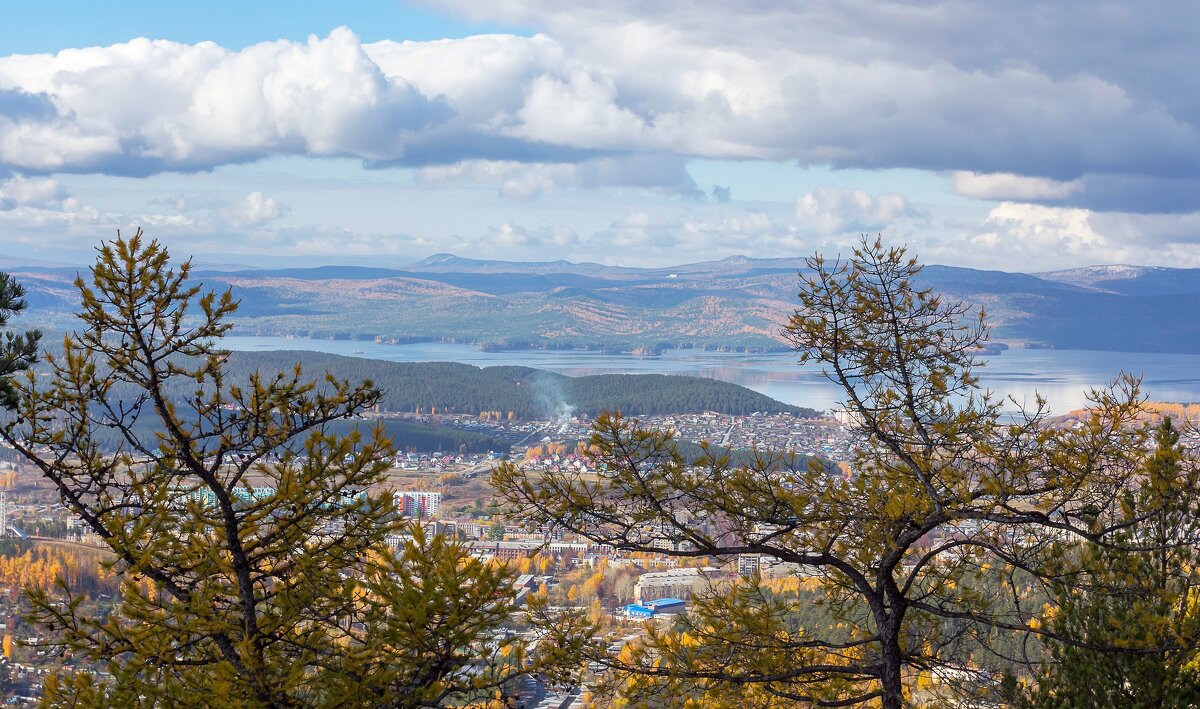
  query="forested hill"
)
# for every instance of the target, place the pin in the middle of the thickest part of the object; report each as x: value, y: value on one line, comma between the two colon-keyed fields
x: 733, y: 304
x: 529, y: 393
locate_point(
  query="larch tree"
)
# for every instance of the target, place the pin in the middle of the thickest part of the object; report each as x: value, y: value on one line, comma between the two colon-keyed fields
x: 1127, y: 619
x: 251, y: 539
x: 926, y: 566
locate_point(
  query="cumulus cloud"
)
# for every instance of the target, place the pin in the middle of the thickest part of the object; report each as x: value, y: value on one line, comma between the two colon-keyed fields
x: 38, y: 216
x: 969, y: 86
x: 1031, y: 238
x: 580, y: 110
x: 17, y: 105
x: 255, y: 210
x: 1007, y: 186
x: 145, y: 105
x: 837, y: 210
x: 1038, y: 229
x: 500, y: 239
x: 38, y: 193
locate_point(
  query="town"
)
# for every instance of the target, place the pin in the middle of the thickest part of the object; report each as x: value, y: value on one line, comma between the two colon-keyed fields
x: 447, y: 492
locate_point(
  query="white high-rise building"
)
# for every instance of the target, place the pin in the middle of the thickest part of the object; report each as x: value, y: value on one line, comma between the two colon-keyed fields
x: 422, y: 505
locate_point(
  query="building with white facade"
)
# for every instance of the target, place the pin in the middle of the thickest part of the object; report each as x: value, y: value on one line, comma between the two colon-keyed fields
x: 422, y: 505
x: 676, y: 583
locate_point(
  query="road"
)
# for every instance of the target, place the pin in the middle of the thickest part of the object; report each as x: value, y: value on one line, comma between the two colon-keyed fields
x: 728, y: 437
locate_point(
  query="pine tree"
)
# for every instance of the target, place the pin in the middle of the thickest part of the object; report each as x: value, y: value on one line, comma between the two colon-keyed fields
x: 923, y: 560
x: 18, y: 351
x: 1125, y: 613
x: 253, y: 551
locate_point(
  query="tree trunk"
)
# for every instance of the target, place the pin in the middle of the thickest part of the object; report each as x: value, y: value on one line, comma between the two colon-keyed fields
x: 891, y: 657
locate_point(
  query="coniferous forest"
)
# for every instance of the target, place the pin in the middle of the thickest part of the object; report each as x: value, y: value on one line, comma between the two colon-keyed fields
x: 451, y: 387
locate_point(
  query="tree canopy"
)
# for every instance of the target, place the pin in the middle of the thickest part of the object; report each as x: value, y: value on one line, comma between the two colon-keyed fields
x: 1124, y: 615
x: 452, y: 387
x: 252, y: 543
x: 934, y: 558
x: 18, y: 351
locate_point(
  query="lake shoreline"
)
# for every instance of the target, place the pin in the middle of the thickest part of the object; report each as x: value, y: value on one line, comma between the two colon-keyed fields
x: 1062, y: 376
x: 644, y: 351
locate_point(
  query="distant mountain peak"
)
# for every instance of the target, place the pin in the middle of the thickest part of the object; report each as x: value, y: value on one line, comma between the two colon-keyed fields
x: 1131, y: 280
x: 449, y: 263
x: 1099, y: 277
x: 1104, y: 271
x: 443, y: 259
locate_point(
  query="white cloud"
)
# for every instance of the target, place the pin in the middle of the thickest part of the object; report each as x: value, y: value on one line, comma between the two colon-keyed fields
x: 38, y: 193
x: 517, y: 180
x: 1007, y: 186
x: 513, y: 179
x: 852, y: 84
x: 696, y: 237
x: 39, y: 215
x: 328, y: 243
x: 1033, y: 238
x: 579, y: 110
x: 621, y: 97
x: 500, y: 239
x: 255, y: 210
x: 42, y: 214
x: 1037, y: 229
x: 968, y: 85
x: 838, y: 210
x: 148, y: 105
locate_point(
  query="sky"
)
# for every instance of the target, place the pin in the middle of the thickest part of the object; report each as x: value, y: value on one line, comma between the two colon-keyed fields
x: 1021, y: 136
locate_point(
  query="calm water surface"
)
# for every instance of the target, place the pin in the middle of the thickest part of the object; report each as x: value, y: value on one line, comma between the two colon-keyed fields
x: 1063, y: 377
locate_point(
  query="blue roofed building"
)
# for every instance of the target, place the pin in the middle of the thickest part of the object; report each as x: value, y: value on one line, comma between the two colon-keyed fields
x: 658, y: 606
x: 637, y: 610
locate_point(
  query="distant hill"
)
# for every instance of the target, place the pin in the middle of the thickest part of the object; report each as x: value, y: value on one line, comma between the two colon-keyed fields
x: 733, y: 265
x: 735, y: 303
x: 529, y: 393
x: 449, y: 263
x: 452, y: 388
x: 1132, y: 280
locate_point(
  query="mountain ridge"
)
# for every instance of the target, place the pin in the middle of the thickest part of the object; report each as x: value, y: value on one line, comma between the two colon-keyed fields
x: 736, y: 303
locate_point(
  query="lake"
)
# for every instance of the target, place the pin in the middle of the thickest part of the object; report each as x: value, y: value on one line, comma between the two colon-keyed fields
x: 1062, y: 376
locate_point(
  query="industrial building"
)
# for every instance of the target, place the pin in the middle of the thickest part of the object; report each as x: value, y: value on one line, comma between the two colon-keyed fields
x: 658, y: 606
